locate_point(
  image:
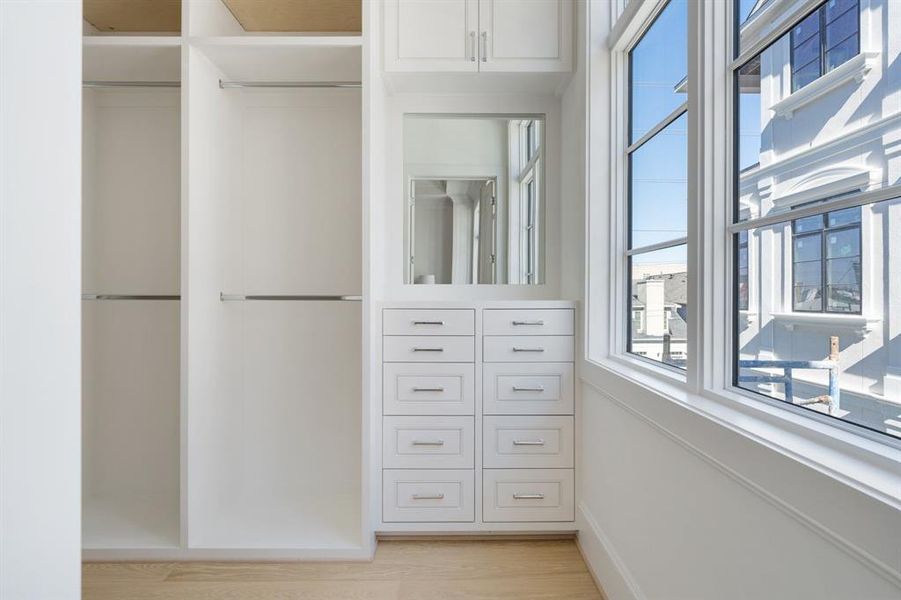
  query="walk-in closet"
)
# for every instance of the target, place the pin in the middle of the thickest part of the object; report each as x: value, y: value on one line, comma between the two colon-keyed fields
x: 222, y: 278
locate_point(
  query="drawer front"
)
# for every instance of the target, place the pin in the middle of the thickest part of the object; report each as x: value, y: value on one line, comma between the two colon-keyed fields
x: 531, y: 495
x: 531, y: 348
x: 528, y: 322
x: 428, y: 496
x: 410, y: 348
x: 428, y: 322
x: 428, y: 389
x: 428, y: 442
x: 528, y: 442
x: 534, y: 389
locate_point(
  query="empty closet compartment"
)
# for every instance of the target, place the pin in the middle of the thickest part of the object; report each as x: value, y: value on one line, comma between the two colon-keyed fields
x: 274, y: 258
x: 131, y: 289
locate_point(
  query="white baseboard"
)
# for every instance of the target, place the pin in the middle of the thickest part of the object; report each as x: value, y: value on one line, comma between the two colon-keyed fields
x: 606, y: 566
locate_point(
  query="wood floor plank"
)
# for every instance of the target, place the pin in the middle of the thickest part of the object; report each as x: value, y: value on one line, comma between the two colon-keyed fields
x: 493, y: 570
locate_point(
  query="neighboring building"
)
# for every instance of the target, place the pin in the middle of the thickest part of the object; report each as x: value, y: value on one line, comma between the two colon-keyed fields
x: 821, y: 118
x: 659, y: 307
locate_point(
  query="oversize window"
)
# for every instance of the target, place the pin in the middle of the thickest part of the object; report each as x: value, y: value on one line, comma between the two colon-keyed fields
x: 824, y: 40
x: 826, y: 262
x: 658, y: 190
x: 816, y: 215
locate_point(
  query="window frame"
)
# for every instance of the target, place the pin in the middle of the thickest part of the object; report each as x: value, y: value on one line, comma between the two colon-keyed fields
x: 528, y: 180
x: 707, y: 386
x: 822, y: 49
x: 628, y: 151
x: 822, y: 233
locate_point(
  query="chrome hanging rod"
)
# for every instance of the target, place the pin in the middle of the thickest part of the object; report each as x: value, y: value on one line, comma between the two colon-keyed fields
x: 127, y: 84
x: 289, y: 84
x: 303, y: 297
x: 130, y: 297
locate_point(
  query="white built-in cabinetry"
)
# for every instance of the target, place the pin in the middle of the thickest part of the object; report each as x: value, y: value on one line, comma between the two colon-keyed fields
x: 478, y: 419
x: 222, y: 321
x: 478, y: 35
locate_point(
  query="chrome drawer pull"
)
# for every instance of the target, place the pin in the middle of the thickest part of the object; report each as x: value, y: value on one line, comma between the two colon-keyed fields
x: 528, y: 442
x: 428, y: 322
x: 540, y: 388
x: 422, y: 389
x: 428, y: 496
x: 427, y: 442
x: 528, y: 496
x: 532, y: 323
x: 428, y: 349
x: 518, y: 349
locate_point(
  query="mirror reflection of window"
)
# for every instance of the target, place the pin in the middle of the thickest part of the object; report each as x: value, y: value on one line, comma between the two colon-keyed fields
x: 475, y: 205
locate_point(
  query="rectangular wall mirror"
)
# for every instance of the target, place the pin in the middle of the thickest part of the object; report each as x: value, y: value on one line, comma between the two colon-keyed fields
x: 475, y: 199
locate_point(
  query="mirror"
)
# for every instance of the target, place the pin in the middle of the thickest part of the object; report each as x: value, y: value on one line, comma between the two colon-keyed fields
x: 475, y: 199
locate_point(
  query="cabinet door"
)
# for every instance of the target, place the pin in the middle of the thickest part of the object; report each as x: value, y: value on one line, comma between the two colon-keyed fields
x: 525, y: 36
x: 431, y: 35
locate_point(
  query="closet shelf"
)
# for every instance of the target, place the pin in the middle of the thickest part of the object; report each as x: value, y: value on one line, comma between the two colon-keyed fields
x: 143, y: 84
x: 289, y: 84
x: 130, y: 297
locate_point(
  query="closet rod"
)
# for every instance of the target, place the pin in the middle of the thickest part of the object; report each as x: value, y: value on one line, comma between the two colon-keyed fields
x: 130, y: 297
x: 306, y: 298
x: 289, y: 84
x: 145, y: 84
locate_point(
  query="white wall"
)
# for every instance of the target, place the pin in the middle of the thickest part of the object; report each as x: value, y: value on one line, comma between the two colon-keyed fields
x: 672, y: 504
x: 40, y: 306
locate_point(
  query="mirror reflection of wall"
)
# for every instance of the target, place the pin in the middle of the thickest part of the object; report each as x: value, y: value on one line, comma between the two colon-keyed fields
x: 475, y: 199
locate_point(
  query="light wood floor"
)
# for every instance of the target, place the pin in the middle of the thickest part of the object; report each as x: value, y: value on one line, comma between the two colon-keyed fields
x: 433, y: 570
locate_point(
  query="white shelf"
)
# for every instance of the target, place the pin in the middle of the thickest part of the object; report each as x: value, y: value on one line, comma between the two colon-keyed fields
x: 285, y: 58
x: 130, y: 522
x: 132, y: 58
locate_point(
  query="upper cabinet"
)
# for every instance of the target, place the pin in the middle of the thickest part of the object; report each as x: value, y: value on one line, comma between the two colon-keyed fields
x: 478, y: 35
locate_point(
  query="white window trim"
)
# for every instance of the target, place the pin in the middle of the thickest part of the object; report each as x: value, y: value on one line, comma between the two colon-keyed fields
x: 866, y: 461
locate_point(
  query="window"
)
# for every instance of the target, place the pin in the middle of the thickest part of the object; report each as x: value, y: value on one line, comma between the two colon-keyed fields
x: 530, y: 165
x: 826, y: 263
x: 824, y: 40
x: 816, y: 222
x: 658, y: 190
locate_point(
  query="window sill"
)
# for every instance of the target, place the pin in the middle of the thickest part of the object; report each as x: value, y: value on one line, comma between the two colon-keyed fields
x: 858, y: 323
x: 856, y: 458
x: 857, y: 68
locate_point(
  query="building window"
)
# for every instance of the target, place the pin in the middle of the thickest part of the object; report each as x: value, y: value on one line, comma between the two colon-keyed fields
x: 824, y: 40
x: 657, y: 189
x: 826, y: 263
x: 808, y: 342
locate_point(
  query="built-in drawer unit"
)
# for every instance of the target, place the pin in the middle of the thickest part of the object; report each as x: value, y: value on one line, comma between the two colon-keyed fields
x: 528, y: 348
x: 421, y: 321
x: 540, y: 442
x: 437, y: 348
x: 528, y: 322
x: 532, y: 389
x: 428, y: 389
x: 532, y: 495
x: 428, y: 442
x: 428, y: 496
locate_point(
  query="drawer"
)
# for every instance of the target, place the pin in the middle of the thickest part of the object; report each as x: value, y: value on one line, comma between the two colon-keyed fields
x: 532, y: 495
x: 428, y: 389
x: 428, y: 442
x: 528, y: 442
x: 428, y: 496
x: 428, y: 322
x: 552, y: 321
x: 438, y: 348
x: 529, y: 348
x: 533, y: 389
